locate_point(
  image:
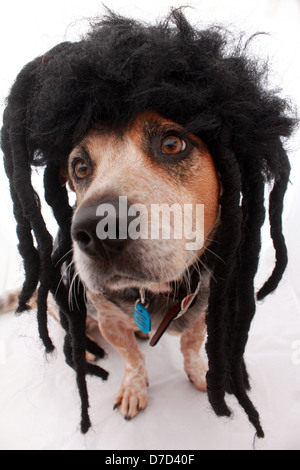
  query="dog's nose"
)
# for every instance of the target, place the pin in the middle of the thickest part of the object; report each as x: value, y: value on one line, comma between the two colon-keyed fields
x: 101, y: 229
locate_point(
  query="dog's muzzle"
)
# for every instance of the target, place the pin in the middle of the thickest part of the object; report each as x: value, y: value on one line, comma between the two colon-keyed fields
x: 101, y: 230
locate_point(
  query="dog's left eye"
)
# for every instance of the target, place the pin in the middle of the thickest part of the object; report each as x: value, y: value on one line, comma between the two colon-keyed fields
x: 81, y: 169
x: 173, y: 145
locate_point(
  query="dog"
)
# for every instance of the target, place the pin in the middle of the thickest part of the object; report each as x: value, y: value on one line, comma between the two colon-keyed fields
x: 112, y: 269
x: 144, y: 122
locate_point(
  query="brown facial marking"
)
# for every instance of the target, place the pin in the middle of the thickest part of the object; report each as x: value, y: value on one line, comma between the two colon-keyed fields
x: 196, y: 175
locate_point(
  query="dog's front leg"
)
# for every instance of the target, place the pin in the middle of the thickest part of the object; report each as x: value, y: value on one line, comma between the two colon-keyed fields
x: 191, y: 342
x: 117, y: 329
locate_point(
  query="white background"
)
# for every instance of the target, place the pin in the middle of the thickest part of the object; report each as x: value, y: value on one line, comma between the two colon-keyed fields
x: 39, y: 404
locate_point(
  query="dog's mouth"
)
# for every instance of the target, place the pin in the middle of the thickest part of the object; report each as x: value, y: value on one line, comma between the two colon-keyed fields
x: 122, y: 281
x: 143, y: 267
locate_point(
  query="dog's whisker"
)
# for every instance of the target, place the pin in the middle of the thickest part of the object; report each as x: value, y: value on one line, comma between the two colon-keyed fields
x: 198, y: 270
x: 187, y: 280
x: 64, y: 256
x: 215, y: 254
x: 66, y: 270
x: 207, y: 269
x: 72, y: 290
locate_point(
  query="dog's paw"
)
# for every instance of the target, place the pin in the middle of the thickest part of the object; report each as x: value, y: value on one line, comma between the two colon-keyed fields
x: 196, y: 368
x: 132, y: 396
x: 90, y: 357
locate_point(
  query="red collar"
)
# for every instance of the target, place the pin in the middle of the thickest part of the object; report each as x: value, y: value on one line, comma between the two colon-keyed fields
x: 175, y: 312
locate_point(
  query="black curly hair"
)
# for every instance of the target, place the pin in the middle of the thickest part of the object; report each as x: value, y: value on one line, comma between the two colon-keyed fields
x: 206, y: 82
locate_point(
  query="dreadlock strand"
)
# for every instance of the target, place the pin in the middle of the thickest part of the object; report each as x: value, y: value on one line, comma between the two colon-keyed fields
x: 75, y: 358
x: 93, y: 348
x: 32, y: 211
x: 29, y: 254
x: 253, y: 218
x: 57, y: 198
x: 227, y: 242
x: 73, y: 321
x: 232, y: 310
x: 25, y: 214
x: 26, y: 247
x: 275, y: 216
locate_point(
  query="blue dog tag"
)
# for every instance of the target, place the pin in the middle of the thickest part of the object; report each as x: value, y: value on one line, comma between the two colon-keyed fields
x: 142, y: 318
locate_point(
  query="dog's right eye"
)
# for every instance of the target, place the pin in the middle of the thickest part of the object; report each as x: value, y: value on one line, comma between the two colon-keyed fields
x: 81, y: 169
x: 173, y: 145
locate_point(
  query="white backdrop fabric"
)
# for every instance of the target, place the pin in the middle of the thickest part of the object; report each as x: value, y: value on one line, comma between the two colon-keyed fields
x: 39, y: 402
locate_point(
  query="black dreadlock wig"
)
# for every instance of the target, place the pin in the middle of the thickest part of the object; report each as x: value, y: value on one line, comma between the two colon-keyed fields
x: 198, y: 79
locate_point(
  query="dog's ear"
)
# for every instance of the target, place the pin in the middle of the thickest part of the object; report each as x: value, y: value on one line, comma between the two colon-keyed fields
x: 64, y: 178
